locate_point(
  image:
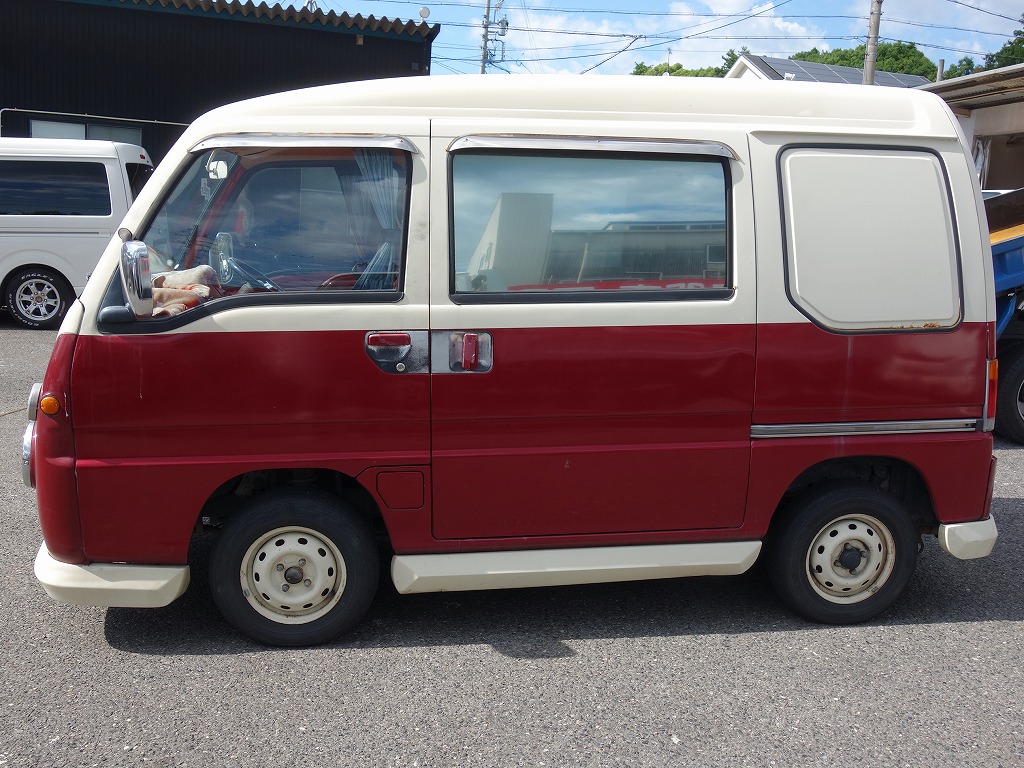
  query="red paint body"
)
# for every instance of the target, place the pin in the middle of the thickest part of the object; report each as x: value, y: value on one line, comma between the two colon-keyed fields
x: 575, y: 437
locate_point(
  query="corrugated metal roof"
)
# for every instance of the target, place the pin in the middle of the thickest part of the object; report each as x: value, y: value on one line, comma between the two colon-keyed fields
x: 275, y: 13
x: 810, y: 71
x: 982, y: 89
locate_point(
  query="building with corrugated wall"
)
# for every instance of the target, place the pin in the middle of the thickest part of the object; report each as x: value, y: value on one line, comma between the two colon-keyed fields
x: 141, y: 70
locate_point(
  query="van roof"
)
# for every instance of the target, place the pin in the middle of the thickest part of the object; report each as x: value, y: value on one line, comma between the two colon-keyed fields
x: 68, y: 147
x: 767, y: 105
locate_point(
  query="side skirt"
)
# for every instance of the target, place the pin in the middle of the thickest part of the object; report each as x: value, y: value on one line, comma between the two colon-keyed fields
x: 555, y: 567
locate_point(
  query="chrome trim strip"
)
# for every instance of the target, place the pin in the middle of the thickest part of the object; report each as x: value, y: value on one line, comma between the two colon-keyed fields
x: 604, y: 143
x: 849, y: 429
x: 356, y: 140
x: 28, y: 438
x: 34, y: 395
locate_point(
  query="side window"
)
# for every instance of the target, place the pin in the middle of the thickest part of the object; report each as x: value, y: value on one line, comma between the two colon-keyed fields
x: 535, y: 226
x: 870, y: 238
x: 281, y: 220
x: 138, y: 175
x: 53, y: 188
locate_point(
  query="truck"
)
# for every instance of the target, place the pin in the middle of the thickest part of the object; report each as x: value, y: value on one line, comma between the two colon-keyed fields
x: 1005, y: 213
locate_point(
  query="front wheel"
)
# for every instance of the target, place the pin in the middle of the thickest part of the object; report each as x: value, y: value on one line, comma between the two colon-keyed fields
x: 843, y: 553
x: 38, y: 298
x: 297, y: 567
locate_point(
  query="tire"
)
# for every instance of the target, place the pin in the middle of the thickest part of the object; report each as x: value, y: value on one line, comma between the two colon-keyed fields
x: 1009, y: 405
x: 843, y: 553
x: 38, y: 298
x: 294, y: 568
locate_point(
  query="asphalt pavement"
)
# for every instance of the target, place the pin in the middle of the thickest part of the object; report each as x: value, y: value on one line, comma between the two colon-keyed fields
x: 697, y: 672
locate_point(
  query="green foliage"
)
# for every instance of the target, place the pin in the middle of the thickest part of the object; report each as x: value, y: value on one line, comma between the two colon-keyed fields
x: 1011, y: 53
x: 965, y: 66
x: 901, y: 58
x: 677, y: 70
x: 674, y: 70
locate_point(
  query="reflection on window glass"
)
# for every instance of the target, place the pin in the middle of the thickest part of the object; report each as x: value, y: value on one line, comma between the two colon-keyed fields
x: 53, y: 188
x: 550, y: 222
x: 290, y: 220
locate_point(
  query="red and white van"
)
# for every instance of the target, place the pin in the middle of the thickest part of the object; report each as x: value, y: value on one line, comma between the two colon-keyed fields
x: 512, y: 332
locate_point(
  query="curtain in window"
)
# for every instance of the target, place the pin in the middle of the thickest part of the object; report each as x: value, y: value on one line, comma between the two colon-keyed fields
x: 385, y: 188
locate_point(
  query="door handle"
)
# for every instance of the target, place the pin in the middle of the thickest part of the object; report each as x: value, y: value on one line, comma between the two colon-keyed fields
x: 399, y: 351
x: 461, y: 352
x: 470, y: 352
x: 380, y: 340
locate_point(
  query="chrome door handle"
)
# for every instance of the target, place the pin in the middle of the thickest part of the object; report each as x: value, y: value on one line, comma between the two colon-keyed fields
x: 461, y: 352
x: 399, y: 351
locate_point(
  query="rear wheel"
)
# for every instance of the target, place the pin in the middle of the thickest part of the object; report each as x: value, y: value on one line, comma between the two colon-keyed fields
x: 298, y: 567
x: 38, y: 298
x: 1010, y: 397
x: 843, y: 553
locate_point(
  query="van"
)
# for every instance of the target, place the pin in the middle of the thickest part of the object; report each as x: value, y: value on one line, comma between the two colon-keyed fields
x: 527, y: 331
x: 61, y: 200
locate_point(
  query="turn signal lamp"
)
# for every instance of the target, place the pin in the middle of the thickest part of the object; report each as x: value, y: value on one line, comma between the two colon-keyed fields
x: 49, y: 405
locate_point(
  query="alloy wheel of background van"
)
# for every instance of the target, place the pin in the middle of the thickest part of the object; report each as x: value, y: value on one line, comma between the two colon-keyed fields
x: 297, y: 567
x: 843, y: 553
x: 38, y: 298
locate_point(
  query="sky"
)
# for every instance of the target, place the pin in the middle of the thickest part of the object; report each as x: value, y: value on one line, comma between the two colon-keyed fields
x: 611, y: 36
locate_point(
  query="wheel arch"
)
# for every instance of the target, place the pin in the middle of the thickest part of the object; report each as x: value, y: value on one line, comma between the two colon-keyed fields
x: 56, y: 265
x: 895, y: 476
x: 232, y: 496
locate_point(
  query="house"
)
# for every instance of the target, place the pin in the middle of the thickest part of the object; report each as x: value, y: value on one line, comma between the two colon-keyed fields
x: 768, y: 68
x: 990, y: 108
x: 141, y: 70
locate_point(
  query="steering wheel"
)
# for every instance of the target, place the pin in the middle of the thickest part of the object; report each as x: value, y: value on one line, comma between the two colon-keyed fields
x: 231, y: 270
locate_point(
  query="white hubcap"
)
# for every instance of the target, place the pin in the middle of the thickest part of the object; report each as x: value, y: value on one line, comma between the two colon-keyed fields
x: 850, y: 559
x: 293, y: 575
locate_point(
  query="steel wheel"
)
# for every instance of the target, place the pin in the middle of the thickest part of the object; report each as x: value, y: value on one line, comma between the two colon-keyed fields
x: 842, y: 553
x: 293, y: 575
x: 296, y: 567
x: 850, y: 559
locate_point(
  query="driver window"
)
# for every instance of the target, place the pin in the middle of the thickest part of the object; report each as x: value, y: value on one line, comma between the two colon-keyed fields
x: 281, y: 220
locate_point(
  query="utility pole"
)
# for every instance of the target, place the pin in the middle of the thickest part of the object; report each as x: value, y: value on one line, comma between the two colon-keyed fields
x: 871, y: 52
x: 485, y: 54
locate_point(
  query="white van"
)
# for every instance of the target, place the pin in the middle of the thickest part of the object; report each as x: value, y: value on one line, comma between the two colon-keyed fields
x: 61, y: 201
x: 527, y: 331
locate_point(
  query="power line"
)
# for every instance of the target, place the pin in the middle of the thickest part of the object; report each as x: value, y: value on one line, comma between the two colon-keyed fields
x: 983, y: 10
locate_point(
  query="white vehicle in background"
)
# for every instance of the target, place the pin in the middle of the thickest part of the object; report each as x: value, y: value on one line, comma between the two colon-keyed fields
x: 61, y: 201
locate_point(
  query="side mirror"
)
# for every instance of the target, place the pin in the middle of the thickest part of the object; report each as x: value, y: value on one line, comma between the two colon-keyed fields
x: 136, y: 278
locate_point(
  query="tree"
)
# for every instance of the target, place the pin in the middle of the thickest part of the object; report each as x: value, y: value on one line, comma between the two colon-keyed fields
x: 965, y: 66
x: 1011, y: 53
x: 677, y: 70
x: 901, y: 58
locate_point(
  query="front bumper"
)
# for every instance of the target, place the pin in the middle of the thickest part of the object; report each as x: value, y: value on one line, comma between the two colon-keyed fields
x: 111, y: 585
x: 969, y: 541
